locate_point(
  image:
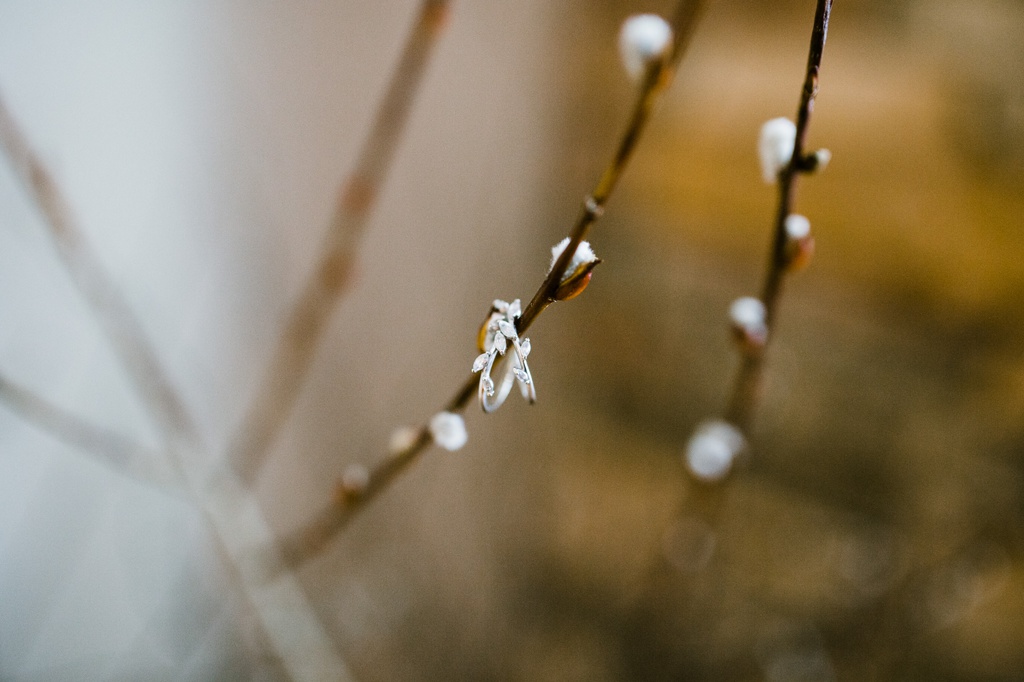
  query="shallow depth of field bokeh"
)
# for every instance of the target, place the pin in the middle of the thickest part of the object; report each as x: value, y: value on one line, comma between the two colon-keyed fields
x: 877, y: 529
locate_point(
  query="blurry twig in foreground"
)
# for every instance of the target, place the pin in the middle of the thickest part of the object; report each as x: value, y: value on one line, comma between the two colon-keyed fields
x: 275, y: 396
x: 118, y: 452
x: 286, y: 620
x: 112, y: 312
x: 355, y: 492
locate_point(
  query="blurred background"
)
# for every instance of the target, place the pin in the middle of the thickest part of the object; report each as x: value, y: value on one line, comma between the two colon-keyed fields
x: 877, y: 530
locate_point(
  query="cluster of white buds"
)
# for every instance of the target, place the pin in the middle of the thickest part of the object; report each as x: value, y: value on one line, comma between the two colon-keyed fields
x: 497, y: 335
x: 644, y: 40
x: 711, y: 451
x: 748, y: 317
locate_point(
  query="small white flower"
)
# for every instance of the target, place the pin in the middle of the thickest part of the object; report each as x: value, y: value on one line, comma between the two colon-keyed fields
x: 402, y: 439
x: 712, y: 450
x: 797, y: 227
x: 584, y: 254
x: 448, y: 430
x: 778, y: 136
x: 644, y: 38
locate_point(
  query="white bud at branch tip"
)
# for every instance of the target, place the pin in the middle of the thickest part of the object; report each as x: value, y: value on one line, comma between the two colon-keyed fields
x: 643, y: 40
x: 778, y: 136
x: 448, y: 430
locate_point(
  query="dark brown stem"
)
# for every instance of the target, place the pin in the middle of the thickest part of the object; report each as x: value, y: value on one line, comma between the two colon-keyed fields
x: 276, y: 396
x: 311, y: 538
x: 749, y: 378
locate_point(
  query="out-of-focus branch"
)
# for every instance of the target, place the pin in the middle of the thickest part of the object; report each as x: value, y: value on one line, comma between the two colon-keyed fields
x: 311, y: 538
x: 749, y: 378
x: 109, y: 306
x: 281, y: 610
x: 276, y: 395
x: 113, y: 450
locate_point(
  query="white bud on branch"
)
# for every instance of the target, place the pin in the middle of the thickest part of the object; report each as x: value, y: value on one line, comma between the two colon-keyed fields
x: 712, y: 450
x: 797, y: 227
x: 584, y: 256
x: 822, y: 157
x: 775, y: 147
x: 402, y: 438
x: 644, y: 40
x: 749, y: 321
x: 448, y: 430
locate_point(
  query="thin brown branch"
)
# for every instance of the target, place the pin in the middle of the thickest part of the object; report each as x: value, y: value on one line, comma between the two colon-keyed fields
x: 276, y: 396
x: 311, y: 538
x: 111, y: 449
x: 110, y: 308
x: 750, y: 377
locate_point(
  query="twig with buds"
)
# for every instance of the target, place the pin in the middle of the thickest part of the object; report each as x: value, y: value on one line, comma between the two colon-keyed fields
x: 657, y: 47
x: 783, y: 160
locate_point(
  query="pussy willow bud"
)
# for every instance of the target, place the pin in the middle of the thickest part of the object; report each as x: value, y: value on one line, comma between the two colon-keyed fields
x: 448, y: 430
x: 775, y: 147
x: 748, y: 317
x: 577, y: 273
x: 712, y: 449
x: 799, y: 242
x: 645, y: 39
